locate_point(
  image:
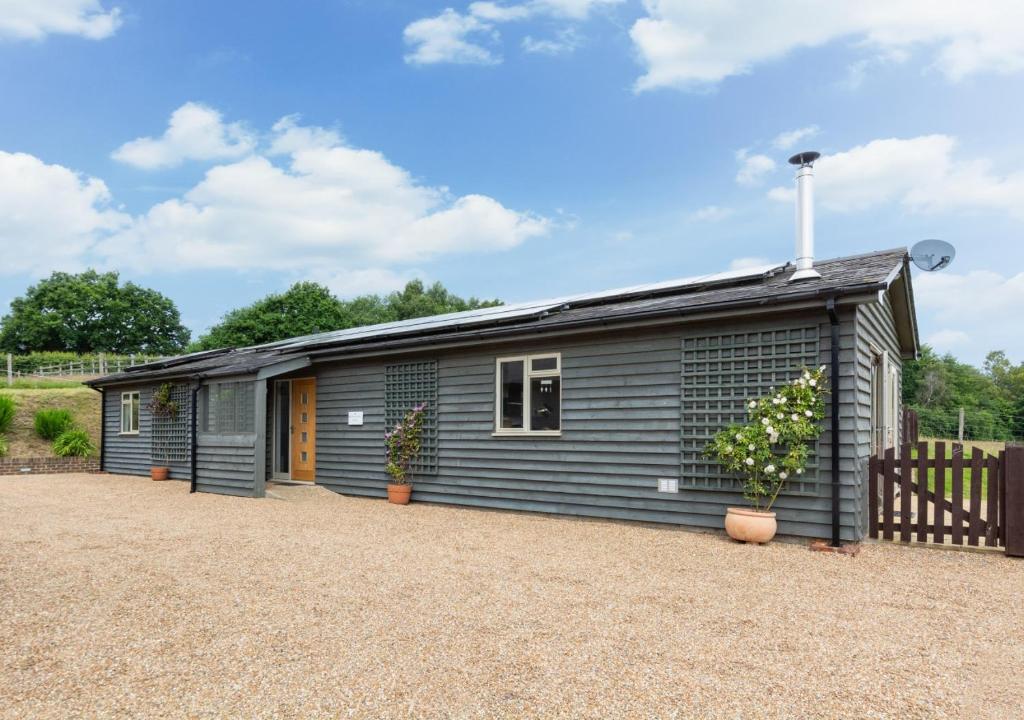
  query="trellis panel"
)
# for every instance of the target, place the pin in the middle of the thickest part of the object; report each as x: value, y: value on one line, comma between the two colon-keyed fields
x: 407, y: 385
x: 720, y: 373
x: 170, y: 440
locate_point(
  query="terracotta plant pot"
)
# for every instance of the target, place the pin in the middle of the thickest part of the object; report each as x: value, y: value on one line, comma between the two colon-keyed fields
x: 750, y: 525
x: 399, y: 494
x: 159, y: 473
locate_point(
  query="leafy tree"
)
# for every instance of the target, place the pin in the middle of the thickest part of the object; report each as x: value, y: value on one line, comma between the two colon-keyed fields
x: 92, y: 312
x: 308, y: 308
x: 305, y: 308
x: 993, y: 399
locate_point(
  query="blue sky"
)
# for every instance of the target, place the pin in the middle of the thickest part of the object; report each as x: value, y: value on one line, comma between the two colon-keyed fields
x: 221, y: 151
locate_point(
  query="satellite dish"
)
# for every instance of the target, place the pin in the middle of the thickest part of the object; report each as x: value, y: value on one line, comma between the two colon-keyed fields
x: 931, y: 255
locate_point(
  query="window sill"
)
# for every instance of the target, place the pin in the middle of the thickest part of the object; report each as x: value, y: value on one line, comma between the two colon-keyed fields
x: 526, y: 433
x: 129, y: 434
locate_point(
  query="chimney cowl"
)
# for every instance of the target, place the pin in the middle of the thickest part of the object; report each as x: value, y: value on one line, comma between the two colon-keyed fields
x: 804, y: 163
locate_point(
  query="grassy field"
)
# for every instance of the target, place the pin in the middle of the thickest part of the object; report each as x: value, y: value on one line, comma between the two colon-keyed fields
x: 41, y: 384
x: 83, y: 403
x: 990, y: 447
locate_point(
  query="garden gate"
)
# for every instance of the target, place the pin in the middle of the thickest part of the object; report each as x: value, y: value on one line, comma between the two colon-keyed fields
x: 985, y: 504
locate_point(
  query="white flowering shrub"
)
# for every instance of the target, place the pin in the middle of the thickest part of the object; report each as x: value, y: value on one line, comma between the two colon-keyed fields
x: 773, y: 444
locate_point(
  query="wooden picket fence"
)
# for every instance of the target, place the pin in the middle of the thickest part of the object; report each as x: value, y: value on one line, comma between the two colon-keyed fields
x: 901, y: 505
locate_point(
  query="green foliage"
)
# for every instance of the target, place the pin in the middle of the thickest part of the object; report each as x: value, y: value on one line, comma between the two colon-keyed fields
x: 92, y: 312
x: 6, y: 412
x: 3, y: 446
x: 73, y: 442
x: 42, y: 384
x: 161, y: 404
x: 772, y: 445
x: 51, y: 422
x: 993, y: 399
x: 403, y: 444
x: 308, y: 308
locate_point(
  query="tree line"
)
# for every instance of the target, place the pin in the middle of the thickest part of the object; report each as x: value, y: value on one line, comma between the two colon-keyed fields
x: 92, y: 312
x: 992, y: 397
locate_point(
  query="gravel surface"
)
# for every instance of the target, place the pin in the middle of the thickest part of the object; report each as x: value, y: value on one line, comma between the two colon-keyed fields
x: 121, y: 597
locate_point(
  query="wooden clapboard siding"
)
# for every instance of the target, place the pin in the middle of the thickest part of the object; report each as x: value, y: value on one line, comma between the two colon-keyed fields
x: 226, y: 464
x: 874, y: 325
x: 350, y: 458
x: 133, y: 454
x: 621, y: 427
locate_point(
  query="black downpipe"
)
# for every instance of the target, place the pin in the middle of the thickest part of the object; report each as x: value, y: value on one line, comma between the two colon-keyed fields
x: 103, y: 428
x: 833, y: 318
x: 194, y: 444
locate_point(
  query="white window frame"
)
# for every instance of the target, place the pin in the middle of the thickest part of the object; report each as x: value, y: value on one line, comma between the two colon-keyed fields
x: 127, y: 399
x: 528, y: 375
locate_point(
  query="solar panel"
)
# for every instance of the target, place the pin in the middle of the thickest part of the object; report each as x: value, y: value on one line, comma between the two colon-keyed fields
x: 513, y: 311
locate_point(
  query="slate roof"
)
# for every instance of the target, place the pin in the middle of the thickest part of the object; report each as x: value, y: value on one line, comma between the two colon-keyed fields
x: 856, y: 274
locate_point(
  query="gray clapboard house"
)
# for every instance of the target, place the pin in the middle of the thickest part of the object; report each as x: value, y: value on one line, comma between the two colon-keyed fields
x: 596, y: 405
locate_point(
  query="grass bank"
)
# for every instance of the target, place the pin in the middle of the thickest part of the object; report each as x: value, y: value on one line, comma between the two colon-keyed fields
x: 83, y: 403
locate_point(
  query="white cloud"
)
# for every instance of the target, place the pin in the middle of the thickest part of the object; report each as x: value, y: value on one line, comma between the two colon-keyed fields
x: 971, y: 310
x: 35, y: 19
x: 309, y: 200
x: 194, y: 132
x: 376, y: 281
x: 748, y: 263
x: 303, y: 202
x: 688, y: 43
x: 753, y: 168
x: 50, y: 216
x: 443, y: 39
x: 455, y: 37
x: 921, y: 173
x: 711, y: 213
x: 786, y: 140
x: 565, y: 41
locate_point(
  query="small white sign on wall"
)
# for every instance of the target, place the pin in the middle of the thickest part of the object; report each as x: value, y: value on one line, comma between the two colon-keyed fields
x: 355, y: 417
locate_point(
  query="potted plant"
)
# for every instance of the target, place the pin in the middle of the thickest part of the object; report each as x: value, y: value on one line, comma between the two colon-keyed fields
x: 403, y: 444
x: 770, y: 448
x: 162, y: 407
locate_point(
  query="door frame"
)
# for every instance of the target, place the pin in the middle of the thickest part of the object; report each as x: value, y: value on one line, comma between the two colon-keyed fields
x: 275, y: 454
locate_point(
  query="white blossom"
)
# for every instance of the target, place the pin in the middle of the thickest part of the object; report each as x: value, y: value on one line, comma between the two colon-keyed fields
x: 808, y: 413
x: 821, y: 369
x: 782, y: 400
x: 738, y: 436
x: 749, y: 461
x: 764, y: 421
x: 775, y: 401
x: 728, y: 448
x: 812, y: 382
x: 770, y: 430
x: 799, y: 471
x: 751, y: 447
x: 769, y: 469
x: 752, y: 405
x: 794, y: 417
x: 783, y: 475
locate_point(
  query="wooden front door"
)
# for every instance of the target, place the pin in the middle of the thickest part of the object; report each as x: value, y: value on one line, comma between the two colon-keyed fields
x: 304, y: 429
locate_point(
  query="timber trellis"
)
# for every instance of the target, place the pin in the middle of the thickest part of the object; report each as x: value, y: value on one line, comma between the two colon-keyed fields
x: 902, y: 506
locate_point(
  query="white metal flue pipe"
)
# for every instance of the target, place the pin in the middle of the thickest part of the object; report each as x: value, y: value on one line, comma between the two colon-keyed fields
x: 804, y: 217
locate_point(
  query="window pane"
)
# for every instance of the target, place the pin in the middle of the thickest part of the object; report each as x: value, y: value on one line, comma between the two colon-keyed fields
x: 544, y: 363
x: 135, y: 412
x: 126, y: 417
x: 545, y: 401
x: 512, y: 394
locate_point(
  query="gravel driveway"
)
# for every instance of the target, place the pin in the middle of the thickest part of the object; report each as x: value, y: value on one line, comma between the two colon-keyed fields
x: 121, y: 597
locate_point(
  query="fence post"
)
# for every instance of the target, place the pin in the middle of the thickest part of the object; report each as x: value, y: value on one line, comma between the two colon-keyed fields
x: 10, y: 369
x: 1013, y: 510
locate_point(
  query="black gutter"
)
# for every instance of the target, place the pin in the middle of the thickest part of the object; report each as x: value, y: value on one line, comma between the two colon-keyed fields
x: 192, y: 452
x: 833, y: 318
